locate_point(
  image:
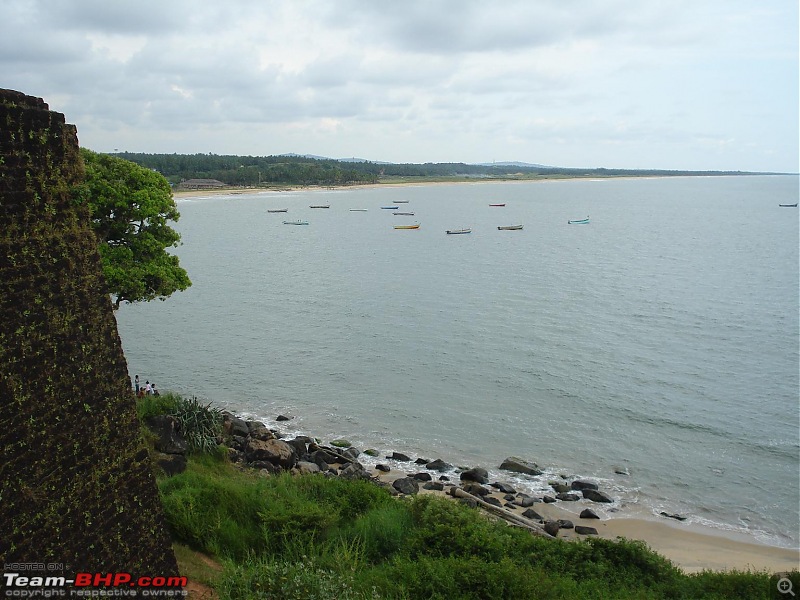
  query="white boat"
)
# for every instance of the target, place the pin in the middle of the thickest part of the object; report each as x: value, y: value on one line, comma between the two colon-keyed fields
x: 458, y: 231
x: 295, y: 222
x: 358, y: 210
x: 510, y: 227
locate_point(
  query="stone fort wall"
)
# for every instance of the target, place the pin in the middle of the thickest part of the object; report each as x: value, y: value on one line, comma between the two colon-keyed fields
x: 76, y: 488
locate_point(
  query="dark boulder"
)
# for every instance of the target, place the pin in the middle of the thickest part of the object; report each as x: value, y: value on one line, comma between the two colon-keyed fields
x: 493, y: 501
x: 168, y: 439
x: 354, y: 470
x: 588, y: 513
x: 503, y: 487
x: 566, y: 524
x: 524, y: 500
x: 406, y: 485
x: 433, y: 485
x: 306, y: 467
x: 568, y: 497
x: 583, y: 530
x: 439, y: 465
x: 552, y: 527
x: 475, y: 489
x: 282, y: 418
x: 477, y: 474
x: 533, y: 515
x: 596, y: 496
x: 239, y: 427
x: 422, y: 476
x: 580, y: 485
x: 399, y: 456
x: 559, y: 488
x: 471, y: 502
x: 383, y: 468
x: 518, y: 465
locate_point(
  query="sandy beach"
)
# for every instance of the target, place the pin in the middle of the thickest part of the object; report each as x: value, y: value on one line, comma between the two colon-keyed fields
x: 691, y: 547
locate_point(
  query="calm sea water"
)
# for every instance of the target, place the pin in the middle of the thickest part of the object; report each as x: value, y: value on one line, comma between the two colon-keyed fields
x: 662, y: 338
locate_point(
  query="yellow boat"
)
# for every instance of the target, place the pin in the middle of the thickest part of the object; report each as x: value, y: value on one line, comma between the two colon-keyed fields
x: 406, y: 226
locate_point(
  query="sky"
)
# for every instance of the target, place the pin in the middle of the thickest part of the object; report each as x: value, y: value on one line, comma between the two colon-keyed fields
x: 678, y: 84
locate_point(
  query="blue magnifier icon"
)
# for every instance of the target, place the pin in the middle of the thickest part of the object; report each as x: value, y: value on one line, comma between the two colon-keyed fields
x: 785, y: 586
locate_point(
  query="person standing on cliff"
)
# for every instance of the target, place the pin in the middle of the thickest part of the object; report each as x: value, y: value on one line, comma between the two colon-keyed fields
x: 136, y: 384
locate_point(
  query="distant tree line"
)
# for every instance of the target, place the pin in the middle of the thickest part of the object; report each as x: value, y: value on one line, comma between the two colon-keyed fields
x: 256, y: 171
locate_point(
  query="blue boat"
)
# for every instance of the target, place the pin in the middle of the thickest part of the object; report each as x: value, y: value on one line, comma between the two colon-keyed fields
x: 390, y: 207
x: 579, y: 221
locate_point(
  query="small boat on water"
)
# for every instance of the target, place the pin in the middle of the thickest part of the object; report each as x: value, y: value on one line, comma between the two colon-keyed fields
x: 401, y: 201
x: 509, y: 227
x: 320, y: 206
x: 788, y: 205
x: 295, y: 222
x: 358, y: 210
x: 458, y: 231
x: 402, y: 213
x: 390, y: 207
x: 406, y: 226
x: 579, y: 221
x: 277, y: 210
x: 503, y: 204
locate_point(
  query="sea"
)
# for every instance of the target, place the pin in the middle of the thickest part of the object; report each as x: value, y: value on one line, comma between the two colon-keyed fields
x: 654, y: 350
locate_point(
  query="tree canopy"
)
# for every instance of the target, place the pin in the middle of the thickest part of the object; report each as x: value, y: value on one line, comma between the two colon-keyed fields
x: 131, y: 207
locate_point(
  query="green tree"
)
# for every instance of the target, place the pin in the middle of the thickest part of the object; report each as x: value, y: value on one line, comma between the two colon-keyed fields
x: 130, y: 208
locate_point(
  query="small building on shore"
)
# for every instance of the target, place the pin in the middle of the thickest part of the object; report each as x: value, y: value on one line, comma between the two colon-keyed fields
x: 200, y: 184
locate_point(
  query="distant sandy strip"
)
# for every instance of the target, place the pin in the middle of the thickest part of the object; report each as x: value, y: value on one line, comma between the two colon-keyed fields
x: 248, y: 191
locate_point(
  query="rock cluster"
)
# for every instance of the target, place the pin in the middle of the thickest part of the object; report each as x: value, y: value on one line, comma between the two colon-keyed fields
x: 252, y: 444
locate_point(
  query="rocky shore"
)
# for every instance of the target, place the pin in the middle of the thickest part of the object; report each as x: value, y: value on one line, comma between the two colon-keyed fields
x: 567, y: 512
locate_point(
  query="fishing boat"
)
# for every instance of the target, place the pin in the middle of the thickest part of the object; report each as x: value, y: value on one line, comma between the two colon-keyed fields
x: 788, y: 205
x: 458, y: 231
x: 295, y: 222
x: 503, y: 204
x: 320, y: 206
x: 406, y: 226
x: 390, y: 207
x: 579, y: 221
x: 358, y: 210
x: 401, y: 201
x: 406, y: 214
x: 509, y: 227
x: 277, y: 210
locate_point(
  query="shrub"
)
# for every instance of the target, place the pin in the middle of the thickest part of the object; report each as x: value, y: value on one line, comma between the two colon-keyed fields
x: 151, y: 406
x: 200, y: 425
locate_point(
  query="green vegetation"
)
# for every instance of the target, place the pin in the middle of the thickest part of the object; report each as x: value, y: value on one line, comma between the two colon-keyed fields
x: 199, y: 424
x: 317, y: 537
x: 130, y: 208
x: 265, y: 171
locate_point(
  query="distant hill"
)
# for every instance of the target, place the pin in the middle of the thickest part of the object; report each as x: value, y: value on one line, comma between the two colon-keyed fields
x: 514, y: 163
x: 308, y: 169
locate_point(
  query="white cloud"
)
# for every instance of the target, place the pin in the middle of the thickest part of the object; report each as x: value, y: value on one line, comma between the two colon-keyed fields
x: 617, y: 83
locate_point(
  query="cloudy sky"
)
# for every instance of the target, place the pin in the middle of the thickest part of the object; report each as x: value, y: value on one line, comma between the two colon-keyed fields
x: 678, y: 84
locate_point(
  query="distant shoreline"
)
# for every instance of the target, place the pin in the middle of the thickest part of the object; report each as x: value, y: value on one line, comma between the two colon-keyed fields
x: 234, y: 191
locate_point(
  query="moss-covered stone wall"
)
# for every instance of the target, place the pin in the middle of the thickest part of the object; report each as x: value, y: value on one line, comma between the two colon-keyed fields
x: 75, y: 482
